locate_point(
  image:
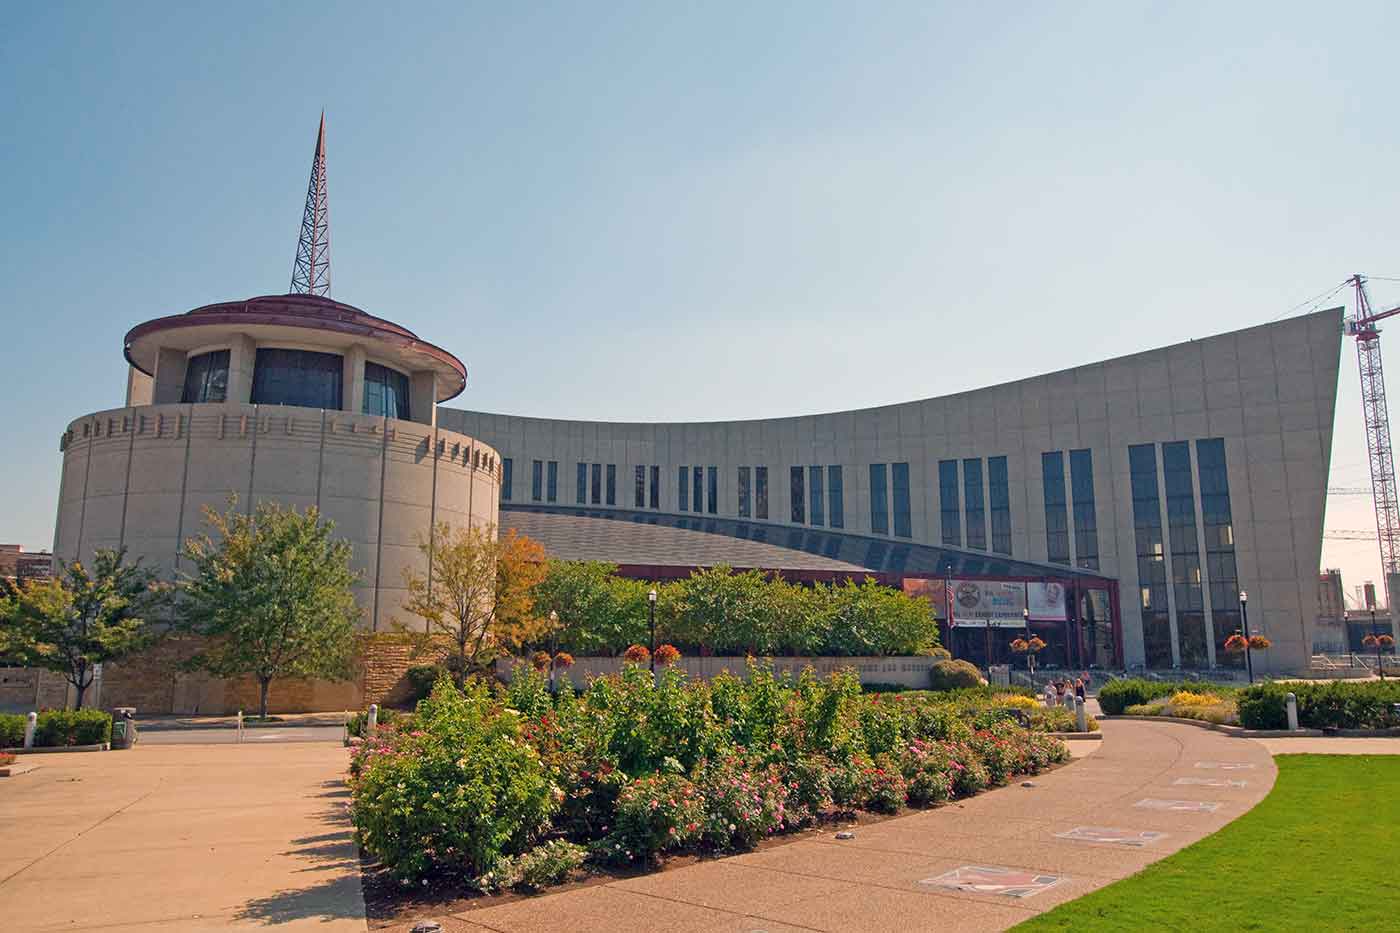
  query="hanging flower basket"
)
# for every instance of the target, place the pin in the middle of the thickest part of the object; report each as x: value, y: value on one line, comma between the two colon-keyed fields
x: 563, y: 660
x: 636, y: 654
x: 1035, y: 644
x: 1259, y: 642
x: 540, y: 660
x: 666, y: 655
x: 1386, y: 641
x: 1235, y: 644
x: 1020, y: 646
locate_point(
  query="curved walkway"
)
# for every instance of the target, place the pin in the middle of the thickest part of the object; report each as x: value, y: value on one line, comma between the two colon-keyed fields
x: 1175, y: 783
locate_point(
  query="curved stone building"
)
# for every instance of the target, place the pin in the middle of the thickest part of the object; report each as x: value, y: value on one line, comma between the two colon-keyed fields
x: 296, y: 399
x: 1157, y: 488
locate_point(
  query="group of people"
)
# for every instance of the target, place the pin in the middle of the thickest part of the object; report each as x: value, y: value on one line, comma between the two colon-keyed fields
x: 1063, y: 692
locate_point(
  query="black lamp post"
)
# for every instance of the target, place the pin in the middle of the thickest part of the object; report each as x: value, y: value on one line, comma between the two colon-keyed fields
x: 553, y: 628
x: 1376, y: 637
x: 651, y: 600
x: 1030, y: 655
x: 1244, y: 629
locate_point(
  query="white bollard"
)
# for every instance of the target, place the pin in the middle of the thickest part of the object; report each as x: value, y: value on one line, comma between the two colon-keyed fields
x: 240, y: 726
x: 29, y: 725
x: 373, y: 724
x: 1291, y: 703
x: 1081, y: 719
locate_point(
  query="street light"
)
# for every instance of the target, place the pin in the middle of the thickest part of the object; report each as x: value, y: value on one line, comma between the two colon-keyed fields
x: 1244, y: 628
x: 1030, y: 655
x: 651, y: 600
x: 553, y: 627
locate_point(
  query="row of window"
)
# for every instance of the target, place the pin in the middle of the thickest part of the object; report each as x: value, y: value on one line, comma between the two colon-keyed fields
x: 817, y: 496
x: 978, y: 502
x: 1186, y: 636
x: 701, y: 480
x: 304, y: 378
x: 1058, y: 508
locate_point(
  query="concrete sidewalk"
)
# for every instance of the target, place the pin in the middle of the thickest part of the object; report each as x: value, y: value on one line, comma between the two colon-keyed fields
x: 182, y: 839
x: 1146, y: 778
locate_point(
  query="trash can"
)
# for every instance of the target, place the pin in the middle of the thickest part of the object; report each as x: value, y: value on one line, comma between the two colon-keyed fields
x: 124, y: 727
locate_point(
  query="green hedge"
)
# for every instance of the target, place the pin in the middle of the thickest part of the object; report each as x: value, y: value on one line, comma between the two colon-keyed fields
x: 1117, y: 695
x: 58, y: 728
x: 1343, y: 704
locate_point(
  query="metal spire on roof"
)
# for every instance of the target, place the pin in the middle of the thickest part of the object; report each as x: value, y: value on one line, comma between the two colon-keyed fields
x: 311, y: 274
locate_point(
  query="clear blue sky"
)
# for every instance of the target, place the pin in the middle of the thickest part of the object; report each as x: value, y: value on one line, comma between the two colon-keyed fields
x: 638, y: 212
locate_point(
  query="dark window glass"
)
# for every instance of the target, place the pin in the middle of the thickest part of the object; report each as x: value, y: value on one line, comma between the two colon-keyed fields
x: 712, y: 502
x: 1151, y: 559
x: 386, y: 392
x: 999, y: 504
x: 1086, y: 522
x: 206, y: 378
x: 899, y: 486
x: 799, y: 496
x: 815, y: 495
x: 697, y: 488
x: 297, y: 377
x: 1052, y: 479
x: 974, y: 505
x: 948, y: 513
x: 639, y: 492
x: 612, y: 484
x: 683, y: 489
x: 507, y: 469
x: 552, y: 492
x: 656, y: 487
x: 744, y: 492
x: 537, y: 480
x: 837, y: 499
x: 581, y: 484
x: 1186, y: 555
x: 879, y: 500
x: 760, y: 493
x: 596, y: 486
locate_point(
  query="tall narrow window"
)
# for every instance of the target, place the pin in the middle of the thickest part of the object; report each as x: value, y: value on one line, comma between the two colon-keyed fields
x: 744, y: 492
x: 999, y: 503
x: 1086, y: 521
x: 297, y: 377
x: 879, y: 500
x: 1151, y: 559
x: 974, y: 507
x: 899, y: 485
x: 595, y: 486
x: 833, y: 490
x: 581, y: 485
x: 507, y: 471
x: 815, y: 494
x: 1186, y: 555
x: 760, y: 493
x: 1220, y: 546
x: 552, y: 489
x: 948, y: 512
x: 612, y: 484
x: 799, y: 496
x: 1052, y: 479
x: 683, y: 489
x: 386, y: 392
x: 712, y: 481
x: 656, y: 487
x: 537, y: 480
x: 697, y: 488
x: 206, y: 377
x: 639, y: 492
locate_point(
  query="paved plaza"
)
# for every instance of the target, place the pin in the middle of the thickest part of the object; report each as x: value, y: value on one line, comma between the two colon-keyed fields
x: 213, y: 837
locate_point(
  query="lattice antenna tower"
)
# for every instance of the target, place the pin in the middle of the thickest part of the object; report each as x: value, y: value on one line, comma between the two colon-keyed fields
x: 311, y: 273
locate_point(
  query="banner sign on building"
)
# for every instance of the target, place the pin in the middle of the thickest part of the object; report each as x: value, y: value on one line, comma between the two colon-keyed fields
x: 1046, y: 601
x: 980, y: 602
x: 932, y: 590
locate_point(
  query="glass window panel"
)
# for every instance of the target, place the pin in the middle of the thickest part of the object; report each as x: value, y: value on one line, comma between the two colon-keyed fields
x: 537, y: 480
x: 837, y: 498
x: 1052, y: 480
x: 581, y: 484
x: 655, y: 500
x: 799, y: 496
x: 816, y: 495
x: 552, y: 491
x: 974, y: 507
x: 744, y: 492
x: 612, y: 484
x: 1086, y: 523
x: 206, y: 378
x: 712, y: 502
x: 1147, y: 523
x: 1220, y: 546
x: 596, y: 486
x: 298, y: 377
x: 999, y: 499
x: 507, y: 471
x: 948, y: 509
x: 899, y: 485
x: 639, y: 492
x: 697, y: 488
x: 760, y: 493
x: 386, y: 392
x: 683, y: 489
x: 879, y: 500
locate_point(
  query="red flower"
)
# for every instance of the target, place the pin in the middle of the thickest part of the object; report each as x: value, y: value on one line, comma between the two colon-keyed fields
x: 666, y: 655
x: 636, y: 654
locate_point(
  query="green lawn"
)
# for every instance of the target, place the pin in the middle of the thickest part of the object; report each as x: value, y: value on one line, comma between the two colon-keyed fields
x: 1319, y: 853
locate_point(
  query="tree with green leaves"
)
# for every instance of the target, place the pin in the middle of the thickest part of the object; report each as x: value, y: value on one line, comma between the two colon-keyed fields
x: 271, y: 591
x: 86, y: 616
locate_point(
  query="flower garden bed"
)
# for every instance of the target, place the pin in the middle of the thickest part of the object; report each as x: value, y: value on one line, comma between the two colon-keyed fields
x: 493, y: 792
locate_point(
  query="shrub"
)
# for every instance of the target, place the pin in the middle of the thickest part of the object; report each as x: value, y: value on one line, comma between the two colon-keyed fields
x: 1343, y: 705
x: 927, y: 769
x: 1016, y: 701
x: 541, y: 867
x: 809, y: 788
x: 1116, y: 695
x: 654, y: 815
x: 455, y: 794
x: 882, y: 786
x: 62, y: 727
x: 387, y: 717
x: 741, y: 805
x: 11, y: 730
x: 7, y: 758
x: 421, y: 678
x: 954, y: 675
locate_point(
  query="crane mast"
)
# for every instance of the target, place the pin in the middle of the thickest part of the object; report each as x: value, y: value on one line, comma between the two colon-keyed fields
x: 1377, y: 419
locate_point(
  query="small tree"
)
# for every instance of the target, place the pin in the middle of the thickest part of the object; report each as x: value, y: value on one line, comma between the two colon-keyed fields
x: 273, y: 595
x: 83, y: 618
x: 480, y: 593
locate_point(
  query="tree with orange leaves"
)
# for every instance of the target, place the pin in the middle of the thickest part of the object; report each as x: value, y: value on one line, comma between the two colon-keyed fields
x: 479, y: 593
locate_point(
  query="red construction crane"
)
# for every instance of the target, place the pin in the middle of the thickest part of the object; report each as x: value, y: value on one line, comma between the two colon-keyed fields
x: 1373, y: 407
